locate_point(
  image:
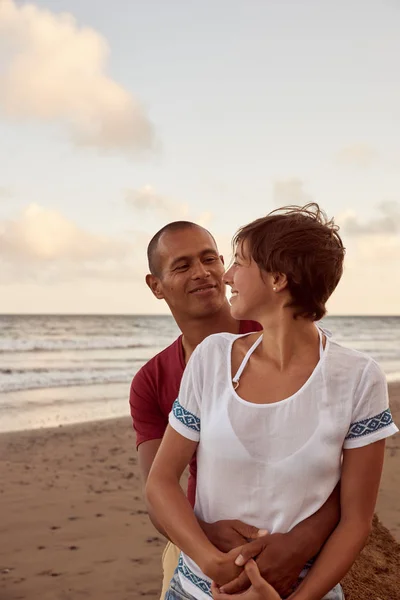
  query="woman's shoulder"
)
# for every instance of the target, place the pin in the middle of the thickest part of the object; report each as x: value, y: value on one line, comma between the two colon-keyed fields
x: 353, y: 361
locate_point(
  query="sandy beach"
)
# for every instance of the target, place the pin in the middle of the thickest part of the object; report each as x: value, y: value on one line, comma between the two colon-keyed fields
x: 73, y: 524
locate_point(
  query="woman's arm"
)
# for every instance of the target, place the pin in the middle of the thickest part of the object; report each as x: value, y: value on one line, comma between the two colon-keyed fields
x: 172, y: 510
x: 361, y: 474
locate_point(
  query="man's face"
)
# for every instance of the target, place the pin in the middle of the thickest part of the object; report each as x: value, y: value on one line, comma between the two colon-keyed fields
x: 190, y: 273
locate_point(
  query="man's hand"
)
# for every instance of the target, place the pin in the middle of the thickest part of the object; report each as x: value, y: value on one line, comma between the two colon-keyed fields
x: 226, y: 535
x: 259, y: 589
x: 278, y: 560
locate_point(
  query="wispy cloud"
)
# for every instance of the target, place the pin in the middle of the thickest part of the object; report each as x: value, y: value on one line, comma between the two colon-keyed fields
x: 376, y: 240
x: 290, y: 191
x: 147, y: 199
x: 5, y: 192
x: 56, y: 71
x: 386, y: 222
x: 357, y: 155
x: 42, y: 244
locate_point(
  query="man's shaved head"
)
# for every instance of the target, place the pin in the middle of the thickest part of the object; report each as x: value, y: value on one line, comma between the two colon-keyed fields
x: 152, y: 249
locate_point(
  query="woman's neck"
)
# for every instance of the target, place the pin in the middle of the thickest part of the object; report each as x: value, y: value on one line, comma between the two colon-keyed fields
x: 286, y: 339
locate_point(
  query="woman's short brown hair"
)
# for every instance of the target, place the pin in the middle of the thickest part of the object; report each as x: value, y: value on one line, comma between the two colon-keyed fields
x: 303, y: 244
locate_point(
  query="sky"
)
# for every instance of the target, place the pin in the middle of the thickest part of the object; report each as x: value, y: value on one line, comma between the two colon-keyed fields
x: 117, y: 118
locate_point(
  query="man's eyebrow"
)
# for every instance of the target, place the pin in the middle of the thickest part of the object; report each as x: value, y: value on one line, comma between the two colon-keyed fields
x: 179, y: 259
x: 189, y: 258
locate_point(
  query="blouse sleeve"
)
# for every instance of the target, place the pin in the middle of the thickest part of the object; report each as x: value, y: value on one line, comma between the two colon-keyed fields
x: 371, y: 418
x: 185, y: 414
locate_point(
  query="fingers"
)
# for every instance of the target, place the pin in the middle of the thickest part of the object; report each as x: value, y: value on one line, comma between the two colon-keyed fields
x: 237, y: 585
x: 253, y: 573
x: 250, y: 550
x: 217, y: 594
x: 266, y: 591
x: 249, y: 531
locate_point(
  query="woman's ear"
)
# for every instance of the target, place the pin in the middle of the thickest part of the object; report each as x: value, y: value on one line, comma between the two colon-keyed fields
x: 279, y: 282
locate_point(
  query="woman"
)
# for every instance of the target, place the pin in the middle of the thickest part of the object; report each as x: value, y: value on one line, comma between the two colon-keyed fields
x: 276, y: 418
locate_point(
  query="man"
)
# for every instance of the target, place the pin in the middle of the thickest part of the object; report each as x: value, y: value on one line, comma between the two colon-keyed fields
x: 186, y: 271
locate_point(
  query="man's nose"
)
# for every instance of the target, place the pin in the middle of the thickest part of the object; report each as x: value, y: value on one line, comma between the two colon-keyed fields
x: 200, y: 271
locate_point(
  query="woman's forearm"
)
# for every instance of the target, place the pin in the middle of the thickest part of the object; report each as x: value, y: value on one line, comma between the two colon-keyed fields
x: 171, y: 509
x: 334, y: 561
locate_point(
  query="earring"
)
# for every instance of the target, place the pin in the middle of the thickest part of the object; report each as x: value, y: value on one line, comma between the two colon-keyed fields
x: 274, y: 288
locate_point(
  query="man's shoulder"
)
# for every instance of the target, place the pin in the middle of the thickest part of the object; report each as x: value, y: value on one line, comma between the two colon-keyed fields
x: 249, y: 326
x: 214, y: 343
x: 168, y: 360
x: 222, y: 340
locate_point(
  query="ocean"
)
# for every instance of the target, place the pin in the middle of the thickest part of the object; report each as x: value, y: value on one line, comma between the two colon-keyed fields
x: 56, y: 370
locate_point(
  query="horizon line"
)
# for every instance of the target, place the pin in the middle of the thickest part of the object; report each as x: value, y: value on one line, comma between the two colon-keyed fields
x: 61, y: 314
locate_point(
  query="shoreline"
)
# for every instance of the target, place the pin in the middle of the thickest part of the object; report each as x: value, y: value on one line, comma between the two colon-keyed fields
x: 74, y: 524
x: 393, y: 387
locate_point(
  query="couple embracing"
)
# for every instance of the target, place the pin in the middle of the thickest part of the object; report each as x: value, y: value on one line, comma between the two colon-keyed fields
x: 284, y: 429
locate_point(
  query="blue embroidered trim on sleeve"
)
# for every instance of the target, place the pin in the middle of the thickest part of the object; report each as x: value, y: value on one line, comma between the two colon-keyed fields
x: 195, y: 579
x: 184, y: 416
x: 367, y: 426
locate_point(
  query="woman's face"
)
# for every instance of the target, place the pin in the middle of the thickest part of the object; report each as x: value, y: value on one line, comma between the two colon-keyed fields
x: 252, y: 293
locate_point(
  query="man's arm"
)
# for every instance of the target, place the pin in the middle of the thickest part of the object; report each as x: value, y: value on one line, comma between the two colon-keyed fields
x: 361, y: 473
x: 311, y: 534
x: 225, y: 535
x: 282, y: 557
x: 146, y: 454
x: 150, y: 424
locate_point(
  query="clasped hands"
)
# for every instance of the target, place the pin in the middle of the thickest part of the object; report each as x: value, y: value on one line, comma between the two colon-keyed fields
x: 271, y: 576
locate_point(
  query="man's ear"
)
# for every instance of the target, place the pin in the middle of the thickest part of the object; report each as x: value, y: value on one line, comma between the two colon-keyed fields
x: 221, y: 258
x: 155, y: 285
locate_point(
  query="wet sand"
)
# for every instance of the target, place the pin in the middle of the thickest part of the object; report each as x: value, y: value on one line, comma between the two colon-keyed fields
x: 73, y: 524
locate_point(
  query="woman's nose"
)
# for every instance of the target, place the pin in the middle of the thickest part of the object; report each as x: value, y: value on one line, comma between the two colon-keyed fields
x: 227, y: 278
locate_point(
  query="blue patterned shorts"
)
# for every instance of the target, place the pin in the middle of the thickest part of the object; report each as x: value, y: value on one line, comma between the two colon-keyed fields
x: 176, y: 592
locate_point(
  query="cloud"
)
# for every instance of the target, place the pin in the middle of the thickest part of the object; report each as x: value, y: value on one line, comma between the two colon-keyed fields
x: 290, y: 191
x: 386, y: 223
x: 42, y: 244
x: 5, y: 192
x: 147, y: 199
x: 379, y: 247
x: 375, y: 240
x: 56, y: 71
x: 357, y: 155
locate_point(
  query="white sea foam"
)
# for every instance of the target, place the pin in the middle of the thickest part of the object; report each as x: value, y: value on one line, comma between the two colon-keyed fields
x: 57, y: 368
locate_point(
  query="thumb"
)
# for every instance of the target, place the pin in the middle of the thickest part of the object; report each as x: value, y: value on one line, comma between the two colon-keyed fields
x: 253, y: 573
x: 249, y: 531
x: 259, y: 583
x: 249, y: 550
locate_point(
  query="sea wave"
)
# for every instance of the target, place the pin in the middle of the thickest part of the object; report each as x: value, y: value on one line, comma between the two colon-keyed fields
x: 31, y: 380
x: 46, y: 345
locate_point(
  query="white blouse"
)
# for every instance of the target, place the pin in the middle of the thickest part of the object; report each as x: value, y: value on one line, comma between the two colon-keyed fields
x: 273, y: 465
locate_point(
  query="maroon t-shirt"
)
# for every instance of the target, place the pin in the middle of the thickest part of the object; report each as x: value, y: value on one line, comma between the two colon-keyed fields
x: 155, y: 388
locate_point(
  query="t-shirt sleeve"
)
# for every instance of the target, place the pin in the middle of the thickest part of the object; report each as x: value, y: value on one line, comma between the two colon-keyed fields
x: 371, y: 419
x: 185, y: 414
x: 149, y: 422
